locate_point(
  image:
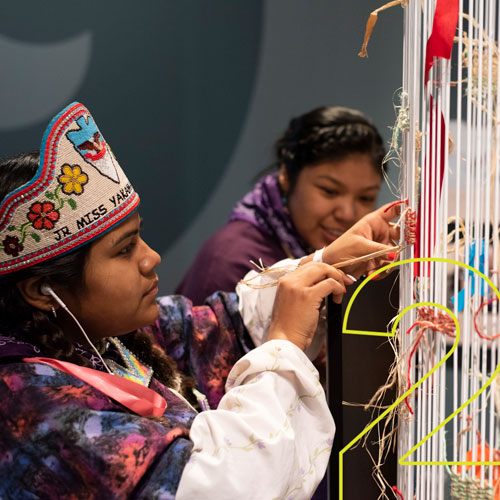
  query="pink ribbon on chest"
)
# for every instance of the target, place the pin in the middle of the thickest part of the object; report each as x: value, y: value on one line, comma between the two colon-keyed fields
x: 137, y: 398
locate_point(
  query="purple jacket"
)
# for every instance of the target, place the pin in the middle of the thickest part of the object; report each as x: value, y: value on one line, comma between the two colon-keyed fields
x: 225, y: 259
x: 64, y: 439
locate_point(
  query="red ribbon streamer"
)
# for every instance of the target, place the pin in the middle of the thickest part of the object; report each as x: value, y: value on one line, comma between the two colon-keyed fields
x: 135, y: 397
x: 424, y: 220
x: 444, y: 26
x: 439, y: 44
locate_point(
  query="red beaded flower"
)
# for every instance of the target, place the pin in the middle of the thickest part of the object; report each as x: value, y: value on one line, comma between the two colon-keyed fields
x: 12, y: 246
x: 43, y: 215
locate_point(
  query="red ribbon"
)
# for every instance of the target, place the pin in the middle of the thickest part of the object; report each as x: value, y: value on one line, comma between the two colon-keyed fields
x: 134, y: 396
x: 424, y: 220
x: 440, y: 42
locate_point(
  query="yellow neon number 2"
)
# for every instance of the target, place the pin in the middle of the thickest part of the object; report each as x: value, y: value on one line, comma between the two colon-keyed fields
x: 367, y: 429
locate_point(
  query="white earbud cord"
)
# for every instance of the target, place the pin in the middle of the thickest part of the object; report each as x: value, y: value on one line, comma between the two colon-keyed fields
x: 46, y: 290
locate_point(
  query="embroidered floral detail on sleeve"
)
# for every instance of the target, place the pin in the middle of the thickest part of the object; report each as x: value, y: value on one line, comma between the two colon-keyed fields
x: 72, y: 179
x: 12, y: 246
x: 43, y: 215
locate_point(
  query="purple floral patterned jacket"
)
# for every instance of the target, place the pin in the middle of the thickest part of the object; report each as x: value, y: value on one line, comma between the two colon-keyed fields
x: 64, y: 439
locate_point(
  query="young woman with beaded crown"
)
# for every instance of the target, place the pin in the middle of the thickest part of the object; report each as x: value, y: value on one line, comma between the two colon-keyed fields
x: 88, y: 415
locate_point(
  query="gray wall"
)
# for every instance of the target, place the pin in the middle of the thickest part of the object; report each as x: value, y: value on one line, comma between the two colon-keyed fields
x: 191, y: 94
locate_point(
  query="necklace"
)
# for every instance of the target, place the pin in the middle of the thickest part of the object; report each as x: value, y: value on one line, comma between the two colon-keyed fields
x: 134, y: 370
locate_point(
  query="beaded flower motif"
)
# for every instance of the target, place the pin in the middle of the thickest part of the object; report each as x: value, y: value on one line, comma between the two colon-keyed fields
x: 44, y: 214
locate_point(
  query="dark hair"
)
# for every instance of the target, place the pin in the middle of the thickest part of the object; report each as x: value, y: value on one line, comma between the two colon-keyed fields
x: 39, y: 327
x: 16, y: 314
x: 327, y: 133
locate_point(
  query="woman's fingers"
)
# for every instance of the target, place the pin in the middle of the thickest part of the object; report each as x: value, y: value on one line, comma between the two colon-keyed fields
x: 394, y: 232
x: 318, y: 280
x: 330, y: 286
x: 379, y: 224
x: 374, y: 232
x: 314, y: 272
x: 298, y: 301
x: 388, y: 212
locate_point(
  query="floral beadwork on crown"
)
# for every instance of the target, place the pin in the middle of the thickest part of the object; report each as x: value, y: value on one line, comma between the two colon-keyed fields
x: 72, y: 179
x: 78, y: 192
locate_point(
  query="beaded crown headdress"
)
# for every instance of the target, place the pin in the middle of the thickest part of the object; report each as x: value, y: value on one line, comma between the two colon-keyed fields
x: 78, y: 192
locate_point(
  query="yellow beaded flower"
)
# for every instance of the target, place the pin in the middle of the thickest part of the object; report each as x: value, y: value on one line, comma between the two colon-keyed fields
x: 72, y: 179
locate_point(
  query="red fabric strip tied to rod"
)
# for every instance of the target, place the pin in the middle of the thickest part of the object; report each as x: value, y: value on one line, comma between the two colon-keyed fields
x: 439, y: 44
x: 444, y: 26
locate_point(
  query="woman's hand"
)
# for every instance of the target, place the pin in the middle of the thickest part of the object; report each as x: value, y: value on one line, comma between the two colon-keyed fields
x: 298, y: 301
x: 370, y: 234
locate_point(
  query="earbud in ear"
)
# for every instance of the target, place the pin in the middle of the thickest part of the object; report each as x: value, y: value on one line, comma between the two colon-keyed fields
x: 46, y: 289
